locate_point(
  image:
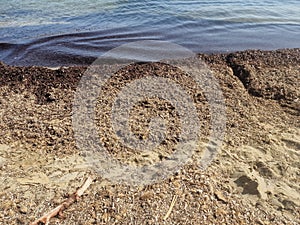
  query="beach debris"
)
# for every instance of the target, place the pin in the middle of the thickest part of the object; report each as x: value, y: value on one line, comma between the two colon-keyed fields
x: 65, y: 204
x: 171, y: 207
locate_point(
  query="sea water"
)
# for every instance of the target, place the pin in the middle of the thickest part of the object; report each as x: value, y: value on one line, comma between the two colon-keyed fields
x: 66, y: 32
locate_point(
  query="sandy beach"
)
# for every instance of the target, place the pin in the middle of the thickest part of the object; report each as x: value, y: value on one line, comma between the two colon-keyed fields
x: 254, y: 179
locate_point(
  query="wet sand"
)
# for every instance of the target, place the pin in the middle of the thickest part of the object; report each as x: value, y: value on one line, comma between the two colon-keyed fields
x: 253, y: 180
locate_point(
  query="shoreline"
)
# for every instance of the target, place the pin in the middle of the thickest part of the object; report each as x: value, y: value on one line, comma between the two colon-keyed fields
x: 254, y: 179
x: 72, y: 61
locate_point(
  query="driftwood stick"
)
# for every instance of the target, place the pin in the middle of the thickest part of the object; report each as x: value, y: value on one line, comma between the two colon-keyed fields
x: 65, y: 204
x: 171, y: 207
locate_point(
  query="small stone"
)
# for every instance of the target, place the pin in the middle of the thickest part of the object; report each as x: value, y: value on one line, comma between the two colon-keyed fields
x: 23, y: 209
x: 176, y: 184
x: 219, y: 195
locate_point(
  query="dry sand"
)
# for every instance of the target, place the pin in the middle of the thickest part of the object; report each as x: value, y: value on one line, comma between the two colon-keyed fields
x: 255, y: 178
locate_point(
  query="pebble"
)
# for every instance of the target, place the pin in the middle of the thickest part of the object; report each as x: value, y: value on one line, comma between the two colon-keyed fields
x: 219, y: 195
x: 23, y: 209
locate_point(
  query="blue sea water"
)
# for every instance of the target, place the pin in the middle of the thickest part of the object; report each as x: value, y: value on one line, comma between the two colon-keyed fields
x: 64, y: 32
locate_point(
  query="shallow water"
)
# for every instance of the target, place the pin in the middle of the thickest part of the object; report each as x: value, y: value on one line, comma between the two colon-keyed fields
x: 76, y: 32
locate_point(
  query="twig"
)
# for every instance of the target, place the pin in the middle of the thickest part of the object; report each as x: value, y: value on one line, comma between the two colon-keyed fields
x: 171, y: 207
x: 65, y: 204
